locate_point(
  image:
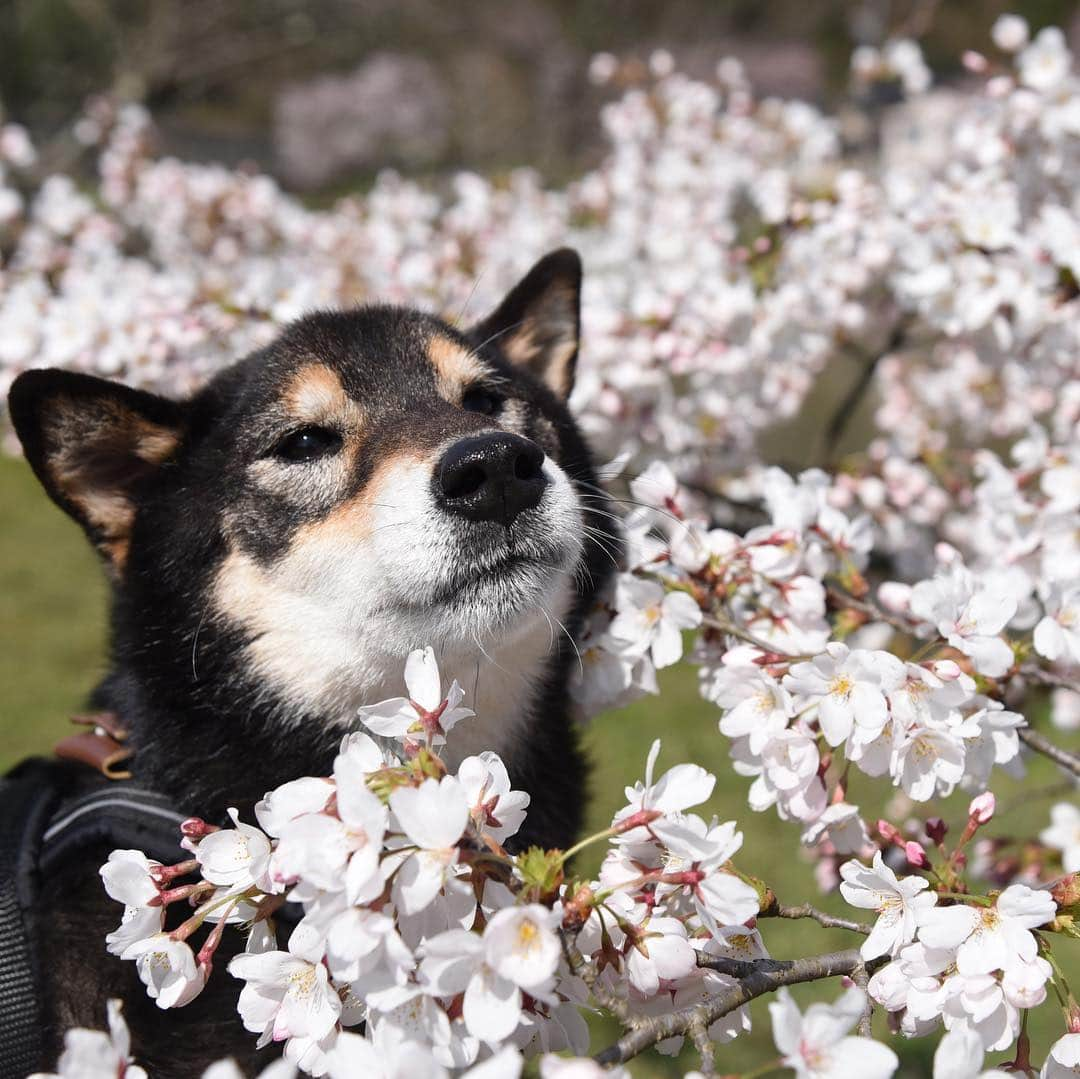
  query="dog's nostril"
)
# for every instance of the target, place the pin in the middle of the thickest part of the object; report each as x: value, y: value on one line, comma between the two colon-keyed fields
x: 460, y: 483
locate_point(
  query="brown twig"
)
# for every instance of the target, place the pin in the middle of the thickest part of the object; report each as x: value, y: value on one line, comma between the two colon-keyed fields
x: 841, y: 416
x: 1041, y: 744
x: 699, y: 1035
x: 646, y: 1033
x: 861, y: 977
x: 583, y: 969
x: 775, y: 909
x: 1049, y: 678
x: 725, y: 625
x: 871, y: 610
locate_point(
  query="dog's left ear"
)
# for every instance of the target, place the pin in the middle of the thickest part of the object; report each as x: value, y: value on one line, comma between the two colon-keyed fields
x: 94, y: 444
x: 538, y: 325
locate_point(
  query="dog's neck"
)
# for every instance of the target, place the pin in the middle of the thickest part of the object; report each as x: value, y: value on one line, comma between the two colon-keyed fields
x: 210, y: 745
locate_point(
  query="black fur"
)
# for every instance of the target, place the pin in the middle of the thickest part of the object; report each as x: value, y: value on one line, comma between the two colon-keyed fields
x: 206, y: 731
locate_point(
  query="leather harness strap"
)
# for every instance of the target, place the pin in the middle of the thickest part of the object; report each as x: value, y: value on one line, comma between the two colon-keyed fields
x: 101, y: 745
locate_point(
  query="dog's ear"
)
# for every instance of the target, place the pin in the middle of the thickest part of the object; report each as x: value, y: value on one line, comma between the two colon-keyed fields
x: 538, y: 325
x: 93, y: 444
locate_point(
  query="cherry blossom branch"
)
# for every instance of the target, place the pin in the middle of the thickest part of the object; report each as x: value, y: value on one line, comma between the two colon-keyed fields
x: 587, y: 972
x: 1041, y: 744
x: 767, y: 976
x: 725, y: 625
x: 775, y: 909
x: 861, y: 977
x: 1049, y: 678
x: 871, y: 610
x: 841, y: 416
x: 1030, y: 737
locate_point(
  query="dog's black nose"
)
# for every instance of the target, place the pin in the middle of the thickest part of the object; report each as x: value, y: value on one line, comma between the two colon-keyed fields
x: 491, y: 477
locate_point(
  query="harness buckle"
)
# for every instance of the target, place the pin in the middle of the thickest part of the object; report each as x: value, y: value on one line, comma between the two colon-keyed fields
x: 100, y: 747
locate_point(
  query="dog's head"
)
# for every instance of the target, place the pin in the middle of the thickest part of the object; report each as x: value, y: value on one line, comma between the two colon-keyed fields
x: 372, y: 482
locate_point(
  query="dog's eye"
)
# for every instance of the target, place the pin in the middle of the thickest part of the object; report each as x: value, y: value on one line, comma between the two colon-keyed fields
x: 308, y: 444
x: 478, y: 399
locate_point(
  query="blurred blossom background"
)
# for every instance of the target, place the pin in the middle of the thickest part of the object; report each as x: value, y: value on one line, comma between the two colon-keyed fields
x: 325, y: 96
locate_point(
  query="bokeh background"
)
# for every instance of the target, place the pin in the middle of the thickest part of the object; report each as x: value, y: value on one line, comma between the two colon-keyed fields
x: 324, y: 95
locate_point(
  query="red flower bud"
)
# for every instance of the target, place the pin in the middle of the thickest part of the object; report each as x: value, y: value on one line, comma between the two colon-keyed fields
x: 936, y: 829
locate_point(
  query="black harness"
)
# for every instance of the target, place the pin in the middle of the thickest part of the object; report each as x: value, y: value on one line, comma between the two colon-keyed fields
x: 41, y: 827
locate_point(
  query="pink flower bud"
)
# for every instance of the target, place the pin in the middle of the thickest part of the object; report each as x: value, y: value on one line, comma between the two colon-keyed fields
x: 196, y: 828
x: 1073, y: 1020
x: 974, y: 61
x: 889, y: 832
x: 982, y: 807
x: 916, y: 854
x: 946, y: 669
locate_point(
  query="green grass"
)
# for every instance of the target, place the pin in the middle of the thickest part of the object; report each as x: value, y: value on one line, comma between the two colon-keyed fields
x: 52, y: 618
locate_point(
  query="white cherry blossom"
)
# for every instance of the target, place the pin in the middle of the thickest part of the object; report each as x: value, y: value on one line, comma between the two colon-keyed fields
x: 1064, y: 834
x: 652, y: 620
x: 1063, y: 1060
x: 93, y: 1054
x: 168, y: 969
x: 989, y: 938
x: 1057, y: 636
x: 816, y: 1045
x: 285, y: 997
x: 899, y: 904
x: 849, y: 688
x: 425, y: 713
x: 237, y: 857
x: 432, y: 816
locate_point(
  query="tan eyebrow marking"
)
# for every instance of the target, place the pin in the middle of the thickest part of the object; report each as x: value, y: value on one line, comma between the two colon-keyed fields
x: 315, y: 395
x: 455, y: 366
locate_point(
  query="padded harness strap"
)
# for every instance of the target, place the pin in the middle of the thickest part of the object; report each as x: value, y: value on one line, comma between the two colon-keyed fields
x: 123, y: 815
x: 28, y: 797
x: 39, y: 832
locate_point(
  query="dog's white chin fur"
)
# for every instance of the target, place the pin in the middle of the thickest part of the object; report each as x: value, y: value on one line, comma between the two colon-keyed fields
x: 333, y: 620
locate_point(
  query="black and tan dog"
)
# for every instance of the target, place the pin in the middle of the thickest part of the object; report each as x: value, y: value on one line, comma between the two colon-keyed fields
x: 372, y: 482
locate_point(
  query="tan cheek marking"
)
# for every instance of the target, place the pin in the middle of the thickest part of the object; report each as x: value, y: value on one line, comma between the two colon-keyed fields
x: 353, y: 520
x: 241, y: 590
x: 455, y: 367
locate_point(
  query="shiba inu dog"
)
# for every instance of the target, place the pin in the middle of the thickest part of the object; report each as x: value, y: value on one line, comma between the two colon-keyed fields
x: 372, y: 482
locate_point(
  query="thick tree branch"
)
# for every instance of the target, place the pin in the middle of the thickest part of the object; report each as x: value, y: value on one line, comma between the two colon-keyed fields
x: 766, y: 977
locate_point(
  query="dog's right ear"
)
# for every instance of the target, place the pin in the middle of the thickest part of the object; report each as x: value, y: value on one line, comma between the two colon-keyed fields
x: 94, y: 444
